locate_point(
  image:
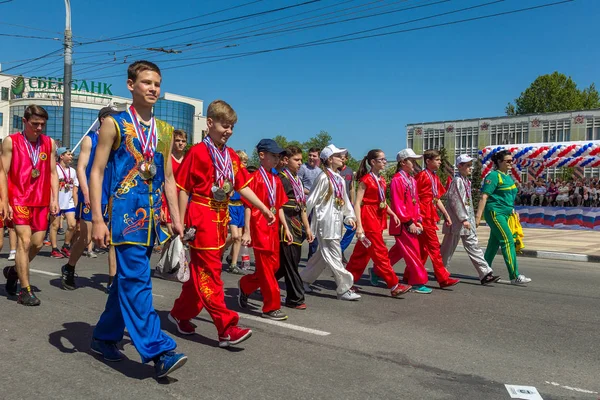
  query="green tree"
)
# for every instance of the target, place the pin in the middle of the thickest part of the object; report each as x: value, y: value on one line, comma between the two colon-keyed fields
x: 445, y: 167
x: 476, y: 182
x: 567, y: 174
x: 554, y: 92
x: 321, y: 140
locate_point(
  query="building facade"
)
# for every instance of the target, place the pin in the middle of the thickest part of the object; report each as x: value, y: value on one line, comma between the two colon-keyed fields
x: 471, y: 135
x: 87, y: 98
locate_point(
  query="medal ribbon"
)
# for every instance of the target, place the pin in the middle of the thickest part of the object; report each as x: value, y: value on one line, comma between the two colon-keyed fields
x: 147, y: 142
x: 338, y: 184
x: 379, y: 187
x: 271, y: 186
x: 298, y: 188
x: 434, y: 187
x: 409, y: 184
x: 222, y: 161
x: 467, y: 183
x: 34, y: 153
x: 64, y: 173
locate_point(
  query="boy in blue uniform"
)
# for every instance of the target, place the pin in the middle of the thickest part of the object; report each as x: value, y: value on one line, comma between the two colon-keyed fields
x: 139, y: 147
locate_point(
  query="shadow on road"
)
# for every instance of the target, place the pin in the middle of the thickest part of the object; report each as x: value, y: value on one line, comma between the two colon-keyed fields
x: 97, y: 281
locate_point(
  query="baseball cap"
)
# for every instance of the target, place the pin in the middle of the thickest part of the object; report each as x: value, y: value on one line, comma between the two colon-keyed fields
x: 61, y: 150
x: 269, y: 145
x: 106, y: 111
x: 463, y: 158
x: 330, y: 150
x: 406, y: 153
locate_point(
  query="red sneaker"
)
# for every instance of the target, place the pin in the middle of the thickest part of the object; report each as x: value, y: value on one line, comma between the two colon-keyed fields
x: 400, y: 289
x: 184, y: 326
x: 234, y: 335
x: 448, y: 282
x: 56, y: 254
x: 297, y: 306
x: 66, y: 251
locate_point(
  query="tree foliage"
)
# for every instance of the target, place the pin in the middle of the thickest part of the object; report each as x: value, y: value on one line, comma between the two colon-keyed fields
x: 554, y: 92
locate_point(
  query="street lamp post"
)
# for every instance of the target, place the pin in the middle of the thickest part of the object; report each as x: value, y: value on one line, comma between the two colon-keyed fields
x: 67, y: 78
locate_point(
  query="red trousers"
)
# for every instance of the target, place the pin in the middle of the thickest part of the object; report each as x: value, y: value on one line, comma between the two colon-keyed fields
x: 407, y: 247
x: 267, y: 264
x: 205, y: 290
x: 430, y: 247
x: 378, y: 253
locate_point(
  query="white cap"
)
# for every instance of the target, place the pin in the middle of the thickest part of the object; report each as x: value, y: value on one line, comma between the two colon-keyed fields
x: 331, y: 150
x: 406, y: 153
x: 463, y: 158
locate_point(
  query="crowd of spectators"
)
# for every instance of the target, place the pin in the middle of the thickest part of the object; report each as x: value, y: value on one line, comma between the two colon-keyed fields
x: 560, y: 193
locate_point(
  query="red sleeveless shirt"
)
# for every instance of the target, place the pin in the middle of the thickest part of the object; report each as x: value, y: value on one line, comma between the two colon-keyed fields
x: 23, y: 189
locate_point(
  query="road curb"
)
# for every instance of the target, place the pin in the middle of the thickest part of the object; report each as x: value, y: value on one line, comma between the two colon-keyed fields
x: 542, y: 254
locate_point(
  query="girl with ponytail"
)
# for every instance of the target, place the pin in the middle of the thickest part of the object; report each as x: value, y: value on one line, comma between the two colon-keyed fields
x: 371, y: 211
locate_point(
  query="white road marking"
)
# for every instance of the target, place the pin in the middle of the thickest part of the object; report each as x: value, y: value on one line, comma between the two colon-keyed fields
x: 571, y: 388
x: 44, y: 272
x: 286, y: 325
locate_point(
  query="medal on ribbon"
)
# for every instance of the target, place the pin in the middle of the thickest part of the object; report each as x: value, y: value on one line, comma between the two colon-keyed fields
x: 224, y: 177
x: 408, y: 183
x: 148, y: 142
x: 467, y: 183
x: 434, y: 187
x: 382, y: 203
x: 299, y: 194
x: 271, y: 188
x: 66, y: 178
x: 34, y: 155
x: 338, y: 187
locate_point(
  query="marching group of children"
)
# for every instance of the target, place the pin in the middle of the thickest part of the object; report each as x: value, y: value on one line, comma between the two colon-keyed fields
x: 136, y: 187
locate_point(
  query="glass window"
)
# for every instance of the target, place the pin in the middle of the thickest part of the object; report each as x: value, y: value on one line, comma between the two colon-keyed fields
x: 1, y: 119
x: 4, y: 93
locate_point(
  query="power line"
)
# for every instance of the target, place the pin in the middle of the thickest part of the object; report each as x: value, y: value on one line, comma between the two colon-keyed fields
x: 333, y: 40
x: 33, y: 59
x: 28, y: 36
x: 29, y: 27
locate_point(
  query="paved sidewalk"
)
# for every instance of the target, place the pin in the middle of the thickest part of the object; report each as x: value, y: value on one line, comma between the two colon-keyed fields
x: 570, y: 245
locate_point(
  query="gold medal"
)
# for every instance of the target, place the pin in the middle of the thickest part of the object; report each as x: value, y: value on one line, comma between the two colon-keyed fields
x: 147, y: 170
x: 435, y: 200
x: 35, y: 173
x: 414, y: 201
x: 273, y: 210
x: 227, y: 186
x: 382, y: 205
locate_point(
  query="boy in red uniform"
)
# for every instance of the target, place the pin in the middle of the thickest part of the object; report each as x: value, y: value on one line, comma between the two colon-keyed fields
x: 265, y: 236
x: 207, y: 177
x: 430, y: 191
x: 29, y: 160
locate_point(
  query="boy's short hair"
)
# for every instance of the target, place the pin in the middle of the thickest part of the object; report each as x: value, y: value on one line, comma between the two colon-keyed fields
x: 251, y: 169
x: 180, y: 133
x: 36, y: 110
x: 243, y: 156
x: 291, y: 151
x: 431, y: 155
x: 220, y: 111
x: 139, y: 66
x: 314, y: 150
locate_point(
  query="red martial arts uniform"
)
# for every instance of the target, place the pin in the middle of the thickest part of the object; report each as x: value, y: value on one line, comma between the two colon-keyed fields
x: 29, y: 196
x: 265, y: 242
x: 428, y: 239
x: 374, y: 222
x: 196, y: 176
x: 165, y: 207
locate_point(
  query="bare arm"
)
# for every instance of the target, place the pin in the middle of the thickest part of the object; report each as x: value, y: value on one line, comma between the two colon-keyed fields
x: 246, y: 235
x: 360, y: 193
x: 309, y: 235
x: 6, y: 160
x: 184, y: 198
x: 54, y: 181
x: 480, y: 208
x: 82, y: 163
x: 171, y: 192
x: 353, y: 191
x: 249, y: 195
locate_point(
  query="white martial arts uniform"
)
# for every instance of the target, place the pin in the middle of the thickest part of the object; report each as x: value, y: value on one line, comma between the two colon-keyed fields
x: 327, y: 222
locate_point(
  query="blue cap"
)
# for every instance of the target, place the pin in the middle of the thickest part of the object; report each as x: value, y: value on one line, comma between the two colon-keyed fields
x: 269, y: 145
x: 61, y: 150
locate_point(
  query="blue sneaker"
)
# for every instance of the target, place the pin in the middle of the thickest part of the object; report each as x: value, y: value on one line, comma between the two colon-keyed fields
x: 169, y: 362
x: 373, y: 277
x: 108, y: 350
x: 421, y: 289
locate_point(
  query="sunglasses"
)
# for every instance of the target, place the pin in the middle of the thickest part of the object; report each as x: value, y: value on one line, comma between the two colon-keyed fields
x: 510, y: 161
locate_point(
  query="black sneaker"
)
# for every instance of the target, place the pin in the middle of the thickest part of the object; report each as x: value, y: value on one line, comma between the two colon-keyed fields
x: 490, y: 278
x: 67, y: 279
x: 60, y: 231
x: 242, y: 297
x: 10, y: 273
x: 276, y: 315
x: 234, y: 269
x: 28, y: 298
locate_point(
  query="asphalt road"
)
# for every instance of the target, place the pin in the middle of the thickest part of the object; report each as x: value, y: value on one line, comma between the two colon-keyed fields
x: 464, y: 343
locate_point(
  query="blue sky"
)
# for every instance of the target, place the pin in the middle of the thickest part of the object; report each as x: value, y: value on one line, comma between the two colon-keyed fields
x: 362, y: 92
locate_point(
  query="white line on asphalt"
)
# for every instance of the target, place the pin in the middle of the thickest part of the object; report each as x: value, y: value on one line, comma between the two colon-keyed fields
x: 571, y: 388
x: 43, y: 272
x: 286, y: 325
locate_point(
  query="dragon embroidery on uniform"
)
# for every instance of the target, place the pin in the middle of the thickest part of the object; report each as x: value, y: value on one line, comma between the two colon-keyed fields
x: 136, y: 223
x: 129, y: 181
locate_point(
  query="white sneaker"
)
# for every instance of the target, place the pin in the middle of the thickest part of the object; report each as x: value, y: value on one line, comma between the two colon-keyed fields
x: 11, y: 256
x: 349, y: 296
x: 521, y: 279
x: 307, y: 288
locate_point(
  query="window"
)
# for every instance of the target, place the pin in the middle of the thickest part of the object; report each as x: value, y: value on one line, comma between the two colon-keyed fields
x: 556, y: 131
x: 1, y: 119
x: 4, y: 93
x: 466, y: 140
x: 512, y: 133
x: 433, y: 139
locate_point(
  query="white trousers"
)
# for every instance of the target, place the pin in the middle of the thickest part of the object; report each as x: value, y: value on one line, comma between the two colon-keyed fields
x: 471, y: 245
x: 329, y: 254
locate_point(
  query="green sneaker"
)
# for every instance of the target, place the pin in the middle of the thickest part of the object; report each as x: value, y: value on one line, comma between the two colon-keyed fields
x: 373, y: 277
x: 421, y: 289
